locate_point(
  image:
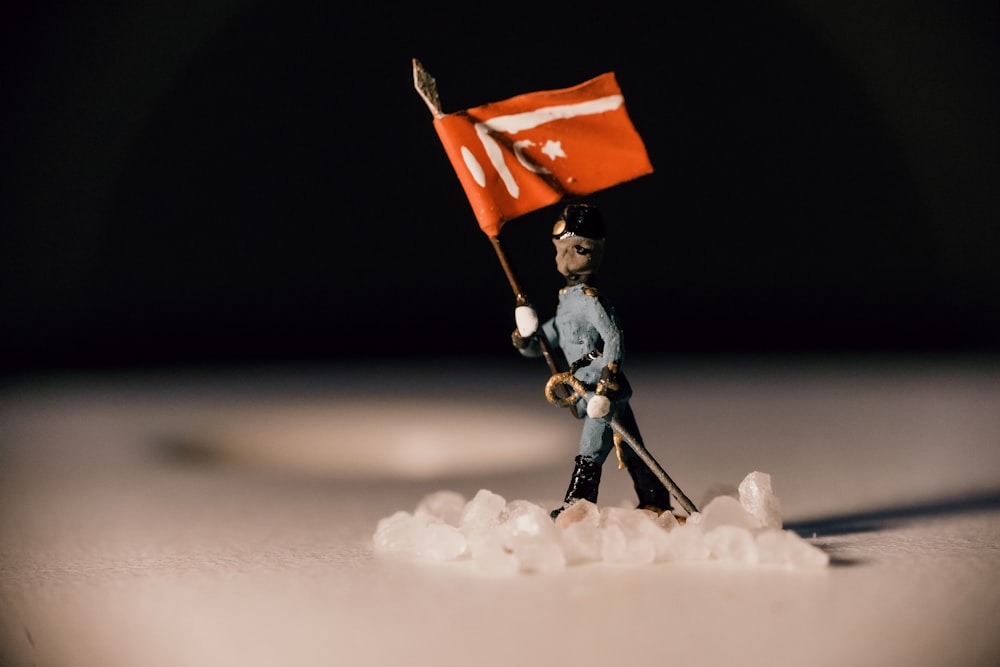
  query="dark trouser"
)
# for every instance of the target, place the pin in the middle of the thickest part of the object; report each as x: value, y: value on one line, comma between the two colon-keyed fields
x: 596, y: 444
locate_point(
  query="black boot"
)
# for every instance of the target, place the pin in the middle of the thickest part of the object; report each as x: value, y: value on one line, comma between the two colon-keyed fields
x: 649, y: 489
x: 583, y: 485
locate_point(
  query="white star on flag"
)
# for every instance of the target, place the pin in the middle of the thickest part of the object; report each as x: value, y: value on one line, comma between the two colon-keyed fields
x: 553, y: 149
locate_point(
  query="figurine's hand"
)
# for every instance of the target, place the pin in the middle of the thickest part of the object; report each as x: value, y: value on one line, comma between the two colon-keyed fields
x: 598, y: 406
x: 518, y: 341
x: 527, y: 321
x: 607, y: 386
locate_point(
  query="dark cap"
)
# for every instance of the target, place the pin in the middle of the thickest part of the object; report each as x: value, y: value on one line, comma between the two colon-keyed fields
x: 579, y: 220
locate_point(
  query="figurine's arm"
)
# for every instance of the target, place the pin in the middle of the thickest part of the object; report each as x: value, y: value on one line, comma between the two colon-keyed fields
x: 529, y: 345
x: 607, y: 387
x: 606, y: 323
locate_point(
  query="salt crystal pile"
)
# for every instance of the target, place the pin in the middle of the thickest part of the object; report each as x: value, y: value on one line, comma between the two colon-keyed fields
x: 506, y: 538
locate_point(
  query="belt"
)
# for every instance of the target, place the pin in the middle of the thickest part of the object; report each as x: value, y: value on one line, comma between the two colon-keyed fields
x: 584, y: 361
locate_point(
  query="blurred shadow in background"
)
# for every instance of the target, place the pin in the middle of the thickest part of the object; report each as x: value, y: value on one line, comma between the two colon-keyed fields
x: 231, y: 182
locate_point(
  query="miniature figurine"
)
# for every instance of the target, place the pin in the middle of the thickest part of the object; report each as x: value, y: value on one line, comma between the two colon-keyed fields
x: 587, y: 331
x: 520, y: 155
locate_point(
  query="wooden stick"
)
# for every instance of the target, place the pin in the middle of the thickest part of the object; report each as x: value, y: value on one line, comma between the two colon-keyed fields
x: 522, y: 300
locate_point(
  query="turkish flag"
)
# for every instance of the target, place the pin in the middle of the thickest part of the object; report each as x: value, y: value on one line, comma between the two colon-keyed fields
x: 524, y: 153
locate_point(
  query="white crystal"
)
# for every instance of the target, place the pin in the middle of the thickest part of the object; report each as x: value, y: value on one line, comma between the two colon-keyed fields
x: 803, y: 555
x: 628, y: 536
x: 685, y: 544
x: 528, y: 532
x: 784, y: 547
x: 441, y: 542
x: 580, y: 532
x: 759, y: 500
x: 483, y: 511
x: 399, y: 532
x: 582, y: 511
x: 538, y: 554
x: 727, y: 511
x: 732, y: 544
x: 444, y: 506
x: 490, y: 555
x: 521, y: 517
x: 667, y: 521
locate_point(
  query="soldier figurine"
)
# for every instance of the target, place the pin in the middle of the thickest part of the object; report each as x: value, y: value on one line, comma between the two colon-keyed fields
x: 586, y: 330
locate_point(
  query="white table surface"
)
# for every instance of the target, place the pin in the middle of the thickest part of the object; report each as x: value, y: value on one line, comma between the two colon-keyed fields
x: 226, y: 518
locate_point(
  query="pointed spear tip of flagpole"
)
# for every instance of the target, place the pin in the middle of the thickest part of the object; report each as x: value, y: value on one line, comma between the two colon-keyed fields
x: 427, y: 87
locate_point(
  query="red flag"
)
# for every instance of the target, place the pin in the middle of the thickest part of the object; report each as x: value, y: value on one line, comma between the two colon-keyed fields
x: 524, y: 153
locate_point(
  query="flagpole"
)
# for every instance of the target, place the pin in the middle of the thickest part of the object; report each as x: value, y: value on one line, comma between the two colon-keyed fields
x: 508, y: 270
x: 522, y: 300
x: 427, y: 88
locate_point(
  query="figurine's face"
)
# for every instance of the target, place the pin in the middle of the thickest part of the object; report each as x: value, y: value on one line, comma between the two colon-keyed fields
x: 578, y: 257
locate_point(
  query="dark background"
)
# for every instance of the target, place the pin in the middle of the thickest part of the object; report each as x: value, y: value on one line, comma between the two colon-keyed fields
x: 226, y: 182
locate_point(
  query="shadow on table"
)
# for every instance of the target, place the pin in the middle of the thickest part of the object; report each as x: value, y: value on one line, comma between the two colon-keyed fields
x: 888, y: 517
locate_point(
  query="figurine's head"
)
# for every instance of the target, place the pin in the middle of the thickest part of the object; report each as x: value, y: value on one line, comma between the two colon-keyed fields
x: 578, y: 236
